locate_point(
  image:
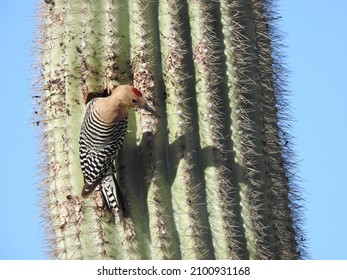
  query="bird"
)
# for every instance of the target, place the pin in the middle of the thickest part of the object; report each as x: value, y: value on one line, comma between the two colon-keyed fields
x: 103, y: 130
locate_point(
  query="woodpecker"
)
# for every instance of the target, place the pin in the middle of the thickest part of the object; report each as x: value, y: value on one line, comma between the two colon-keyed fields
x: 102, y: 134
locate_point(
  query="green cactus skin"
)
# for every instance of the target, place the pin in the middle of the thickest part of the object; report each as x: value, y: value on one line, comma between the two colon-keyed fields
x: 213, y: 178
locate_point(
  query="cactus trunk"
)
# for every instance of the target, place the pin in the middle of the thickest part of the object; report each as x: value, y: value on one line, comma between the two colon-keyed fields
x: 213, y: 177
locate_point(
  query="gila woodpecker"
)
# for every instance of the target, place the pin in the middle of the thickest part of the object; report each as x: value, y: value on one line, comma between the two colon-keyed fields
x: 102, y: 134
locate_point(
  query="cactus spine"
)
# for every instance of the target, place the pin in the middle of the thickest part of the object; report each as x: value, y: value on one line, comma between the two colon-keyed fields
x: 213, y: 178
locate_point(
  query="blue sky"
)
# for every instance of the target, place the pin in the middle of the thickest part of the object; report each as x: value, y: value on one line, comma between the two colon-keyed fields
x: 316, y: 56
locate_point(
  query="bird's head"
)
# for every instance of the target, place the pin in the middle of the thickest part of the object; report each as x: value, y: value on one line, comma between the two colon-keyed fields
x: 131, y: 97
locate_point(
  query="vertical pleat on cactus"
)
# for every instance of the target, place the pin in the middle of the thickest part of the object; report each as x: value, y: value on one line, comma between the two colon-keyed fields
x: 214, y: 176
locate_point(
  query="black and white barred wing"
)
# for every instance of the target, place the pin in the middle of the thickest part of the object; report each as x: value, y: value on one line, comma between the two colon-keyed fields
x: 94, y: 166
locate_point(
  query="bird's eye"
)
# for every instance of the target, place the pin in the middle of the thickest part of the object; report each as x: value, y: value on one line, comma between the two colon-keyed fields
x: 134, y: 101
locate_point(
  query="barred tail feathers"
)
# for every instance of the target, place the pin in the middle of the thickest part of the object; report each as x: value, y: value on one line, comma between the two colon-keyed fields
x: 113, y: 196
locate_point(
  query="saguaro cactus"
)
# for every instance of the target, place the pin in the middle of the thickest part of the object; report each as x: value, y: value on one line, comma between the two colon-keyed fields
x: 213, y: 177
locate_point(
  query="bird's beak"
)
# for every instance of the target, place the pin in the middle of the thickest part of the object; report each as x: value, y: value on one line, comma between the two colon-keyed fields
x: 149, y: 109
